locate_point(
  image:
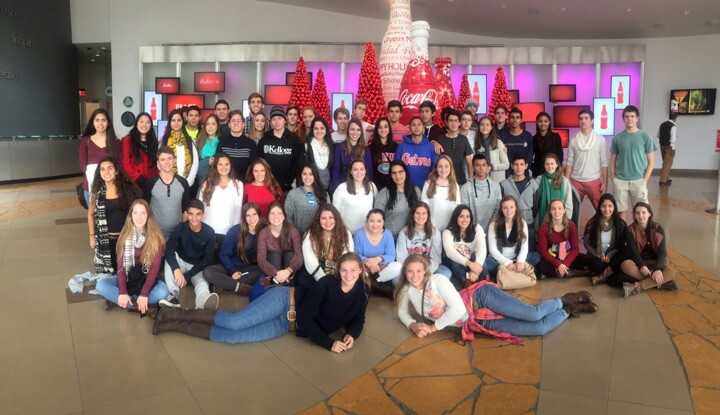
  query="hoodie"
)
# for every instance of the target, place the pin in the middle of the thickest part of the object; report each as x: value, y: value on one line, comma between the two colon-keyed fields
x: 419, y: 159
x: 483, y: 197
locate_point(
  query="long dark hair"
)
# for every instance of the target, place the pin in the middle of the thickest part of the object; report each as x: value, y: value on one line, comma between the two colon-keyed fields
x: 454, y: 228
x: 150, y: 140
x: 202, y: 135
x: 429, y: 229
x: 111, y: 137
x: 517, y: 221
x: 188, y: 140
x: 593, y: 226
x: 327, y: 140
x: 411, y: 196
x: 127, y: 190
x: 376, y: 141
x: 339, y: 238
x: 244, y: 230
x: 213, y: 179
x: 367, y: 185
x: 284, y: 238
x: 545, y: 142
x: 318, y: 189
x: 651, y: 225
x: 357, y: 151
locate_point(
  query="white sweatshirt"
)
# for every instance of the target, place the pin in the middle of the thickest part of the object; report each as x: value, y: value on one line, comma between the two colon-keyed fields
x: 440, y: 207
x: 443, y: 303
x: 225, y: 207
x: 353, y: 208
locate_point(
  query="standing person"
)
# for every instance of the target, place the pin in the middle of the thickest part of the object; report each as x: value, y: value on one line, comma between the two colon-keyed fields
x: 305, y: 199
x: 282, y: 150
x: 355, y: 197
x: 667, y: 133
x: 587, y: 163
x: 631, y: 161
x: 186, y: 155
x: 382, y: 150
x: 552, y: 185
x: 292, y: 114
x: 456, y: 146
x: 467, y: 121
x: 647, y: 265
x: 336, y: 302
x: 558, y: 245
x: 427, y: 115
x: 222, y: 195
x: 480, y: 193
x: 241, y: 149
x: 398, y: 198
x: 464, y: 246
x: 320, y: 151
x: 419, y: 237
x: 376, y: 247
x: 98, y: 141
x: 501, y: 113
x: 305, y: 130
x: 111, y: 195
x: 359, y: 113
x: 258, y: 127
x: 417, y: 153
x: 471, y: 106
x: 354, y: 147
x: 140, y: 248
x: 342, y: 118
x: 167, y: 192
x: 222, y: 110
x: 279, y: 248
x: 517, y: 140
x: 441, y: 192
x: 139, y: 150
x: 508, y: 240
x: 261, y: 186
x: 207, y: 143
x: 488, y: 143
x: 256, y: 102
x: 544, y: 141
x: 189, y: 250
x: 523, y: 189
x: 604, y: 240
x: 326, y: 241
x: 192, y: 127
x: 238, y: 270
x: 394, y: 111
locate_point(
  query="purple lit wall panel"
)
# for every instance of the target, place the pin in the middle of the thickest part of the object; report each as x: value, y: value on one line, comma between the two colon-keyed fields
x: 274, y: 73
x: 581, y: 75
x: 634, y: 70
x: 532, y: 81
x: 352, y: 76
x: 456, y: 74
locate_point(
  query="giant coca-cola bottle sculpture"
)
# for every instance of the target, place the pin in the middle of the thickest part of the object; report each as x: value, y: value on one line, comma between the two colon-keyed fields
x: 442, y: 79
x: 418, y: 83
x: 395, y: 49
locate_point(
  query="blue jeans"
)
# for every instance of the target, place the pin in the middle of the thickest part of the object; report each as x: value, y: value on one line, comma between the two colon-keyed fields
x: 444, y: 271
x: 263, y: 319
x: 459, y: 271
x: 520, y: 319
x: 108, y: 288
x: 492, y: 265
x: 87, y: 197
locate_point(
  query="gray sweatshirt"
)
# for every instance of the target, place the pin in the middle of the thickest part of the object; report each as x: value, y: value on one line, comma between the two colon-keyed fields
x: 300, y: 212
x: 483, y: 197
x: 525, y: 200
x: 396, y: 217
x: 422, y: 245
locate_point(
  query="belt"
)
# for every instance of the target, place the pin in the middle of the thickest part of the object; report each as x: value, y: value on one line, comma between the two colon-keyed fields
x: 291, y: 314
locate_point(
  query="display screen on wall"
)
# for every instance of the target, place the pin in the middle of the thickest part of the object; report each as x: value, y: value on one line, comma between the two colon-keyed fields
x: 562, y: 93
x: 153, y: 105
x: 167, y: 85
x: 564, y: 134
x: 478, y: 91
x: 204, y: 112
x: 185, y: 100
x: 290, y: 78
x: 566, y: 116
x: 604, y: 109
x: 693, y: 101
x: 209, y: 81
x: 245, y: 108
x: 530, y: 110
x: 277, y: 94
x: 341, y: 100
x: 514, y: 95
x: 620, y: 89
x: 161, y: 126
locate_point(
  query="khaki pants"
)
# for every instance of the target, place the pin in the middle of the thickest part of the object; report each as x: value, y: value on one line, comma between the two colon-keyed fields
x: 646, y: 283
x: 668, y: 155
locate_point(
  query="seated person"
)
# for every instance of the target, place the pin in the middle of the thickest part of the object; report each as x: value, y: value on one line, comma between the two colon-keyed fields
x: 558, y: 245
x: 326, y: 240
x: 464, y: 246
x: 508, y: 239
x: 419, y: 236
x: 376, y: 248
x: 604, y: 239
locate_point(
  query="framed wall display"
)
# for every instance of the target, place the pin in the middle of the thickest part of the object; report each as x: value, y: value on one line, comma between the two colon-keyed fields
x: 204, y: 112
x: 478, y: 91
x: 209, y: 81
x: 153, y: 105
x: 175, y: 101
x: 341, y: 100
x: 693, y: 101
x: 161, y: 127
x: 167, y: 85
x: 245, y: 107
x: 290, y: 78
x: 604, y: 109
x: 514, y: 95
x: 566, y: 116
x: 564, y: 134
x: 620, y: 89
x: 563, y: 93
x: 277, y: 95
x: 530, y: 110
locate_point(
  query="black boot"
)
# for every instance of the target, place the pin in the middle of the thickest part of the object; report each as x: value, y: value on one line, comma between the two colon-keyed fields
x: 191, y: 329
x: 244, y: 289
x: 166, y: 314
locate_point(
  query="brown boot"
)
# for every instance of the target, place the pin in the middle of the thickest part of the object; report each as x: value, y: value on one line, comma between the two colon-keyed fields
x: 575, y: 310
x: 167, y: 314
x: 109, y: 305
x: 597, y: 280
x: 575, y: 273
x: 191, y: 329
x: 243, y: 289
x: 579, y: 297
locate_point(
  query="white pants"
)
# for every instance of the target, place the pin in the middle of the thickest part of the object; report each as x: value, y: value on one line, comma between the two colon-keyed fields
x: 202, y: 289
x: 390, y: 273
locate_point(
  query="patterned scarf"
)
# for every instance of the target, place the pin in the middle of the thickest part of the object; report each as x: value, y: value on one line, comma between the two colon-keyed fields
x: 135, y: 241
x: 472, y: 326
x: 548, y: 192
x: 604, y: 226
x: 176, y: 141
x: 103, y: 259
x: 484, y: 146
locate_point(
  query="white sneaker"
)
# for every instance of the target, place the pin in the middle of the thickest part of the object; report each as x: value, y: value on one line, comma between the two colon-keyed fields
x: 212, y: 302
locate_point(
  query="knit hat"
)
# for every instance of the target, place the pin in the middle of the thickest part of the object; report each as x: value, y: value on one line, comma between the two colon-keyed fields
x: 277, y: 111
x: 470, y: 102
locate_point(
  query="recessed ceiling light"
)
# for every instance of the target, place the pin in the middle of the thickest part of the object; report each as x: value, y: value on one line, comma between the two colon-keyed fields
x: 103, y: 48
x: 713, y: 22
x: 658, y: 25
x: 686, y: 12
x: 563, y: 8
x: 533, y: 11
x: 450, y: 1
x: 628, y: 10
x: 503, y: 6
x: 92, y: 60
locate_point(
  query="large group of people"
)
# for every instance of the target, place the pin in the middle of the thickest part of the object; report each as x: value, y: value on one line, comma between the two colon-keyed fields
x: 308, y: 222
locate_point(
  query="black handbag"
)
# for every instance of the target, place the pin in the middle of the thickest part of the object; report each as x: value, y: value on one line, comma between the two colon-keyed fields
x: 136, y: 276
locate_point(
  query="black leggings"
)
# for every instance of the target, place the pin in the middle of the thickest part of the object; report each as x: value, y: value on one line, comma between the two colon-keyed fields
x: 548, y: 270
x: 595, y: 264
x: 217, y: 275
x: 618, y: 278
x: 279, y: 260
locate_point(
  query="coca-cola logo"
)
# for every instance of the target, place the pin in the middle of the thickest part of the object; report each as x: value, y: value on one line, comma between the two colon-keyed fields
x: 413, y: 100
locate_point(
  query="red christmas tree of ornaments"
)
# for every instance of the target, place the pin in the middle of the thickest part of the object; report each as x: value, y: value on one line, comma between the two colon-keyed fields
x: 499, y: 93
x: 320, y: 96
x: 464, y: 93
x: 370, y: 86
x: 300, y: 94
x: 444, y: 86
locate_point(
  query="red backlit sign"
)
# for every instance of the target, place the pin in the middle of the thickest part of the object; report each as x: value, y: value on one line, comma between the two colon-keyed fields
x: 566, y: 116
x: 184, y: 100
x: 564, y: 134
x: 209, y: 81
x: 530, y: 110
x: 167, y: 85
x: 277, y: 94
x: 204, y: 112
x: 562, y: 93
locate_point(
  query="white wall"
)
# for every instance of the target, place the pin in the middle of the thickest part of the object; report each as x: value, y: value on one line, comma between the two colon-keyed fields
x: 670, y: 62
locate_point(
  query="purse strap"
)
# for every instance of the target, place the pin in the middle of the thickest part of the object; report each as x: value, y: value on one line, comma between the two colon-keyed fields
x: 422, y: 305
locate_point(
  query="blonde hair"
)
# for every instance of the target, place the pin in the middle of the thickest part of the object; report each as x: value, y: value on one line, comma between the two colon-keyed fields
x: 154, y: 240
x: 401, y: 288
x: 434, y: 175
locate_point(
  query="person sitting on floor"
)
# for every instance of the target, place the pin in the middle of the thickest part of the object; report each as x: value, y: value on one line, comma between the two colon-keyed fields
x: 419, y: 236
x: 558, y: 245
x: 326, y: 240
x: 376, y: 246
x: 604, y: 239
x: 465, y: 248
x: 508, y: 240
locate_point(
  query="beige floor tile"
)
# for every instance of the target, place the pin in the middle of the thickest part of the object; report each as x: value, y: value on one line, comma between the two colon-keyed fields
x: 284, y: 343
x: 638, y: 319
x: 31, y: 248
x: 649, y: 374
x: 200, y: 360
x: 307, y: 358
x: 75, y: 229
x: 554, y: 403
x: 381, y: 323
x: 123, y: 369
x: 8, y: 197
x: 177, y: 402
x: 547, y: 287
x: 15, y: 269
x: 34, y: 232
x: 39, y: 383
x: 34, y: 332
x: 90, y: 323
x: 601, y: 323
x: 45, y: 219
x: 626, y: 408
x: 576, y: 364
x: 26, y: 298
x: 76, y: 263
x: 75, y: 244
x: 38, y: 195
x: 261, y: 386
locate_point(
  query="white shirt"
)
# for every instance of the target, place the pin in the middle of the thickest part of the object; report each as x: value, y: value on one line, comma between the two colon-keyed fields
x: 353, y: 208
x: 224, y: 208
x: 443, y: 303
x: 440, y: 207
x: 506, y: 256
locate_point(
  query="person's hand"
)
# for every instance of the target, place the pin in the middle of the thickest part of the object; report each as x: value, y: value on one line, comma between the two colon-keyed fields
x: 505, y: 150
x: 438, y: 147
x: 475, y: 267
x: 645, y: 271
x: 349, y: 341
x: 605, y: 258
x: 282, y: 275
x: 92, y: 241
x: 418, y: 329
x: 212, y: 161
x: 142, y: 303
x: 520, y: 266
x: 603, y: 188
x: 338, y: 347
x: 473, y: 276
x: 236, y: 275
x: 370, y: 128
x: 429, y: 328
x: 123, y: 300
x: 657, y: 276
x: 562, y: 270
x: 179, y: 279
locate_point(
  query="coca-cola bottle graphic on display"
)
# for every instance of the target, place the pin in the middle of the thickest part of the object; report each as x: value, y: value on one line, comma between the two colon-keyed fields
x: 620, y: 94
x: 342, y: 103
x: 418, y: 83
x: 153, y: 110
x: 395, y: 49
x: 604, y: 118
x: 443, y: 80
x: 476, y: 93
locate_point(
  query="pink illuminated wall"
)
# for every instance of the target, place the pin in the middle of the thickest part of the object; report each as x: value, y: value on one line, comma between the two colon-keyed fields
x: 634, y: 70
x: 274, y: 73
x: 352, y: 76
x: 532, y: 81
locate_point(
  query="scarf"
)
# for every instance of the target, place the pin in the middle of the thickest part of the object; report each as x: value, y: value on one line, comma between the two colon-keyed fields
x: 640, y: 236
x: 472, y: 326
x: 321, y: 154
x: 485, y: 146
x: 135, y: 241
x: 548, y: 192
x: 177, y: 141
x: 506, y: 241
x: 604, y: 226
x: 584, y: 142
x: 103, y: 258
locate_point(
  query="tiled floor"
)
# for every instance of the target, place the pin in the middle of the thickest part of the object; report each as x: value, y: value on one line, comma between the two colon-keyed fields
x: 63, y: 354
